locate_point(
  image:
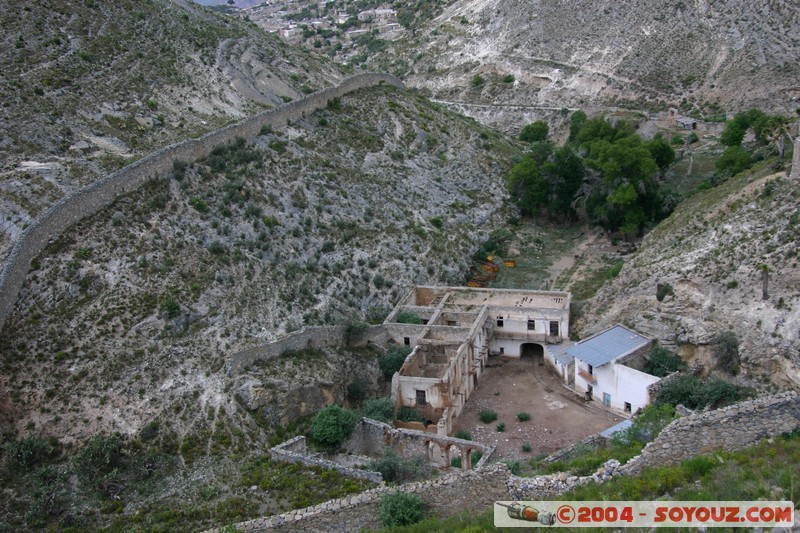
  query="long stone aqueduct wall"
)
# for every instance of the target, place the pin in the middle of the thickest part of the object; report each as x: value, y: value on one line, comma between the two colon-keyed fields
x: 92, y: 198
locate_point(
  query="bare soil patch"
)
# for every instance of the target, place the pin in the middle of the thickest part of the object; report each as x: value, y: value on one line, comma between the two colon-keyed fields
x: 559, y: 417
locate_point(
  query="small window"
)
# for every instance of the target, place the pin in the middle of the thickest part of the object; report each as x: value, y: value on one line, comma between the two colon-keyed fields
x: 421, y: 397
x: 407, y: 341
x: 499, y: 322
x: 627, y: 407
x: 531, y: 325
x: 554, y: 328
x: 591, y: 370
x: 502, y: 350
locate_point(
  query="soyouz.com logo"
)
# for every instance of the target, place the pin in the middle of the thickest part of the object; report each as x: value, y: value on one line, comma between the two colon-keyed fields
x: 644, y: 514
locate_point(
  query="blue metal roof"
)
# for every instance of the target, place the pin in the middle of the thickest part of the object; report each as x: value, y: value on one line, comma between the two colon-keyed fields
x: 560, y: 354
x: 622, y: 426
x: 607, y: 346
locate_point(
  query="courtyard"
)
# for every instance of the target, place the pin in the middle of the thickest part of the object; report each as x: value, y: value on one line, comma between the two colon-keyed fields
x: 558, y: 417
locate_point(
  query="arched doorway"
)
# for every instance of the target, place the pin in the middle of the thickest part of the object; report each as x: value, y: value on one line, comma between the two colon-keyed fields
x: 532, y: 352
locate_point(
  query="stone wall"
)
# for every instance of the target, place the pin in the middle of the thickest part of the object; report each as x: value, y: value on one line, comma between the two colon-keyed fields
x: 729, y: 428
x: 295, y: 451
x: 92, y: 198
x: 449, y: 495
x: 654, y: 388
x: 795, y: 172
x: 307, y: 337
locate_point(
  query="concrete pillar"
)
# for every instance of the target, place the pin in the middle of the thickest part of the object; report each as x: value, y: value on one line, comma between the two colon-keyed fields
x: 465, y: 459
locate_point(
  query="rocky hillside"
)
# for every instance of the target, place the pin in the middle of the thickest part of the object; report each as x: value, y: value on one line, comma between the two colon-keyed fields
x: 326, y: 221
x: 528, y: 59
x: 703, y: 272
x: 90, y: 86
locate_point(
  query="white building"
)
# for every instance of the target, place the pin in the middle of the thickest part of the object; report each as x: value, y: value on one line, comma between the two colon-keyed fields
x: 606, y: 368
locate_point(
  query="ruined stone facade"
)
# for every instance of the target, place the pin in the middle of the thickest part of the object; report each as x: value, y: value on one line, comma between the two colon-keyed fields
x: 457, y: 329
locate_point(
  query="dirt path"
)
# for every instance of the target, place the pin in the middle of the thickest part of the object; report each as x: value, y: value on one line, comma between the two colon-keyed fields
x: 559, y: 417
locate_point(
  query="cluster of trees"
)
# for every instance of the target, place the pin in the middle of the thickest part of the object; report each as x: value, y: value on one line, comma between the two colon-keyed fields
x: 607, y: 168
x: 767, y: 129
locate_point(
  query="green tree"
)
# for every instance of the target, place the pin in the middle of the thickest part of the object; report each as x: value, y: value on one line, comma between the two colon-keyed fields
x: 661, y: 362
x: 380, y: 409
x: 576, y: 123
x: 400, y: 509
x: 663, y: 154
x: 332, y: 425
x: 528, y: 186
x: 734, y: 160
x: 393, y: 359
x: 726, y: 350
x: 535, y: 132
x: 646, y: 426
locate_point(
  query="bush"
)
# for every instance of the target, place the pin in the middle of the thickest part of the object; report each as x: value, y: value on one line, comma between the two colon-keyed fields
x: 28, y: 452
x: 409, y: 414
x: 463, y: 434
x: 734, y: 160
x: 393, y: 360
x: 526, y: 447
x: 726, y: 350
x: 535, y: 132
x: 487, y: 416
x: 501, y: 427
x: 523, y: 416
x: 354, y: 331
x: 407, y: 317
x: 357, y: 389
x: 695, y: 393
x: 332, y: 425
x: 171, y: 307
x: 646, y: 426
x: 381, y: 409
x: 477, y: 80
x: 400, y: 509
x: 661, y: 362
x: 663, y: 290
x: 100, y: 455
x: 394, y: 468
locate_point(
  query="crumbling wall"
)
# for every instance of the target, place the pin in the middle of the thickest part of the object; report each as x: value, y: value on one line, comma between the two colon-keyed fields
x: 295, y: 451
x: 92, y: 198
x: 308, y: 337
x: 729, y: 428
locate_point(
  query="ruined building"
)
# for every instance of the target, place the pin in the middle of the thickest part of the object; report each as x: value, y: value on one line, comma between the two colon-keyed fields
x: 453, y: 330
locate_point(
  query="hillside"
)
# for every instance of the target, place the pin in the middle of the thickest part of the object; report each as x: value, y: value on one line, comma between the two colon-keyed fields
x: 710, y: 258
x: 323, y: 222
x: 527, y: 60
x: 90, y: 86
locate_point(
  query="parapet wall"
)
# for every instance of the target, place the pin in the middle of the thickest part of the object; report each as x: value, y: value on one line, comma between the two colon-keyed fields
x: 729, y: 428
x: 295, y: 451
x: 308, y: 337
x: 92, y: 198
x: 449, y: 495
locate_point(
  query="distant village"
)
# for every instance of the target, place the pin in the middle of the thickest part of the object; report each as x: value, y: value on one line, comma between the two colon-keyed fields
x: 342, y: 30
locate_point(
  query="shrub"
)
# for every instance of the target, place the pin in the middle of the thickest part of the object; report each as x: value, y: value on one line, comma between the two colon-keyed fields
x: 726, y: 350
x: 100, y: 455
x: 171, y: 307
x: 394, y: 468
x: 734, y: 160
x: 646, y: 426
x: 663, y: 290
x: 463, y: 434
x: 393, y: 360
x: 198, y: 204
x: 332, y: 425
x: 381, y: 409
x: 501, y: 427
x: 526, y: 447
x: 28, y: 452
x: 407, y: 317
x: 661, y: 362
x: 487, y: 416
x: 523, y: 416
x: 400, y: 509
x: 477, y: 80
x: 694, y: 393
x: 535, y: 132
x: 508, y: 78
x: 357, y: 389
x: 354, y: 331
x: 409, y: 414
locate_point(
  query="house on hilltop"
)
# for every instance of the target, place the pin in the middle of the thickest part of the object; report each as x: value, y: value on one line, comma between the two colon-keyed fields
x: 452, y: 332
x: 608, y: 368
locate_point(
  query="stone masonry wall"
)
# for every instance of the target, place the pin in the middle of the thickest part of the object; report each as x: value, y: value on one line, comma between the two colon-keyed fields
x: 795, y: 172
x: 448, y: 495
x: 729, y: 428
x: 295, y: 451
x: 307, y: 337
x: 92, y: 198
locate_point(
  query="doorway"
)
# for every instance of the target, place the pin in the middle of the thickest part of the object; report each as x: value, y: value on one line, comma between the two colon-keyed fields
x: 533, y: 352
